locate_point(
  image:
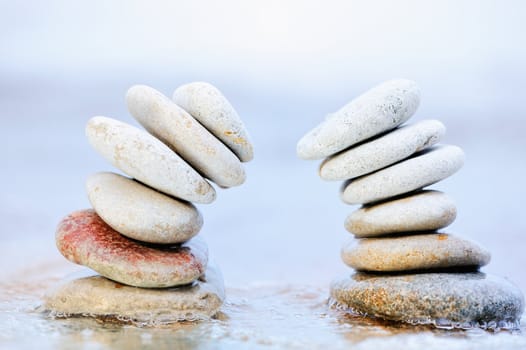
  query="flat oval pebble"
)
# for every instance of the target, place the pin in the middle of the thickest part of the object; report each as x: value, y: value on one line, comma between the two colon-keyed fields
x: 95, y: 296
x: 426, y: 168
x: 448, y: 300
x: 83, y: 238
x: 413, y: 252
x: 143, y: 157
x: 423, y: 211
x: 179, y: 130
x: 210, y: 107
x: 382, y: 151
x: 381, y: 108
x: 140, y: 212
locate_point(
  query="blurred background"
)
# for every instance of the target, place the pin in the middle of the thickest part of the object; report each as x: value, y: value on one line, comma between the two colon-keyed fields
x: 283, y: 65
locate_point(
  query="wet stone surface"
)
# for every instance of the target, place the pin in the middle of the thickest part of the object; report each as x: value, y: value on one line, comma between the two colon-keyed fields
x: 457, y: 300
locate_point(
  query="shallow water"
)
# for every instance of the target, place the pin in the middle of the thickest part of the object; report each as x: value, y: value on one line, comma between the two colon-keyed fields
x: 257, y: 315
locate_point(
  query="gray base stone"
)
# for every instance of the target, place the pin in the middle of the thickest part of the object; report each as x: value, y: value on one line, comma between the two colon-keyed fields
x: 95, y: 296
x: 449, y: 300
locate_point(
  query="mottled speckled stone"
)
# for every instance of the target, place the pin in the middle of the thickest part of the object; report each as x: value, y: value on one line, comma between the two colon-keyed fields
x: 95, y: 296
x: 459, y: 300
x: 145, y: 158
x: 382, y: 151
x: 185, y: 135
x: 85, y: 239
x: 425, y: 168
x: 381, y: 108
x: 140, y: 212
x: 423, y: 211
x: 413, y: 252
x: 208, y: 105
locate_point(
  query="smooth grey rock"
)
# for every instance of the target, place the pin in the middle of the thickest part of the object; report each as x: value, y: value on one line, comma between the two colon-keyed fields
x: 423, y: 211
x: 413, y: 252
x: 425, y: 168
x: 381, y: 108
x: 85, y: 239
x: 95, y: 296
x: 459, y: 300
x: 180, y: 131
x: 211, y: 108
x: 382, y: 151
x: 143, y: 157
x: 140, y: 212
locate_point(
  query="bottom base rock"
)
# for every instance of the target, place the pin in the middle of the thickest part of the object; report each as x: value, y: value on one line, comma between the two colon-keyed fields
x: 95, y: 296
x: 445, y: 300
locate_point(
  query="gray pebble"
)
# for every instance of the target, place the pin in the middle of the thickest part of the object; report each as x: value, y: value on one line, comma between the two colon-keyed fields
x: 459, y: 300
x: 381, y: 108
x: 383, y: 151
x: 413, y: 252
x: 425, y: 168
x: 423, y: 211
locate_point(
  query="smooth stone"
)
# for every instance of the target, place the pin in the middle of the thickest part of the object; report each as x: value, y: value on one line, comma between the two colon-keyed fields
x: 211, y: 108
x: 425, y: 168
x: 382, y: 151
x: 85, y: 239
x: 423, y: 211
x: 180, y: 131
x: 141, y: 213
x: 96, y: 296
x: 450, y: 300
x: 143, y: 157
x: 381, y: 108
x: 413, y: 252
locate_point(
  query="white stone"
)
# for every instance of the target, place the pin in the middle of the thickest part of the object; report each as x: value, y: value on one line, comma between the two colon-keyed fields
x: 382, y: 108
x: 140, y: 212
x: 211, y: 108
x: 87, y: 294
x: 424, y: 211
x: 180, y: 131
x: 383, y: 151
x: 426, y: 168
x: 413, y: 252
x: 143, y: 157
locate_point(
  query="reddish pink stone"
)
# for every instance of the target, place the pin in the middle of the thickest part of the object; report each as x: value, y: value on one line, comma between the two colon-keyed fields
x: 83, y: 238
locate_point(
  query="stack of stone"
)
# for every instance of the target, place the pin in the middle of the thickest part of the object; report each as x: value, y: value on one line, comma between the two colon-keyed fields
x: 142, y: 230
x: 407, y: 271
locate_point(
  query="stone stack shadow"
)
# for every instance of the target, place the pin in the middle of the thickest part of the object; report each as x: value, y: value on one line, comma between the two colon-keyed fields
x: 406, y: 269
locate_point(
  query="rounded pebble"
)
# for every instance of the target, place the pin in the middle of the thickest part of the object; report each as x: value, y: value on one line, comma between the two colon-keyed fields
x: 383, y: 151
x: 381, y: 108
x: 452, y: 300
x: 211, y: 108
x: 95, y: 296
x: 426, y: 168
x: 85, y: 239
x: 413, y: 252
x: 143, y: 157
x: 423, y: 211
x: 140, y: 212
x: 179, y: 130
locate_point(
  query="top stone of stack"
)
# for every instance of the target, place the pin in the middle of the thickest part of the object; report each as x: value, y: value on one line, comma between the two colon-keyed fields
x: 380, y: 109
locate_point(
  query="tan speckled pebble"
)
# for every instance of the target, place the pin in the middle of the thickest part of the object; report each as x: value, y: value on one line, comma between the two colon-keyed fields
x: 460, y: 300
x: 208, y: 105
x: 96, y: 296
x: 383, y: 151
x: 180, y: 131
x: 143, y: 157
x: 426, y: 168
x: 140, y: 212
x: 413, y: 252
x: 423, y: 211
x: 381, y: 108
